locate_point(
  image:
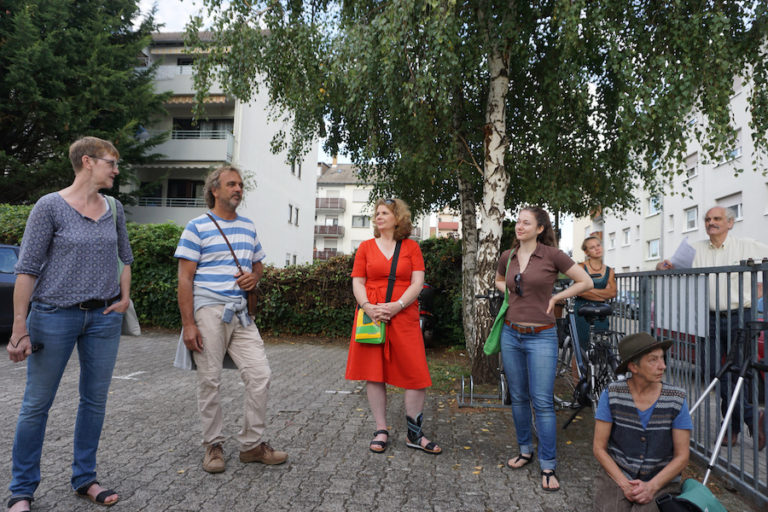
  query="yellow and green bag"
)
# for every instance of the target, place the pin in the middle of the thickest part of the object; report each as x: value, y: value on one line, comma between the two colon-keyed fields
x: 367, y: 330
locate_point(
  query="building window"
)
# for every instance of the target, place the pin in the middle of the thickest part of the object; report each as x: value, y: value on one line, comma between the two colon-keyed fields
x: 296, y: 168
x: 735, y: 151
x: 653, y: 249
x: 691, y: 218
x: 331, y: 221
x: 287, y: 259
x: 360, y: 195
x: 692, y: 166
x: 736, y: 210
x: 294, y: 259
x: 625, y: 236
x: 637, y: 232
x: 361, y: 221
x: 671, y: 223
x: 654, y: 205
x: 290, y: 213
x: 612, y: 240
x: 296, y: 216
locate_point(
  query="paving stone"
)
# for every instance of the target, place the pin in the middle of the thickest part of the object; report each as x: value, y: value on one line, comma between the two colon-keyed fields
x: 150, y: 447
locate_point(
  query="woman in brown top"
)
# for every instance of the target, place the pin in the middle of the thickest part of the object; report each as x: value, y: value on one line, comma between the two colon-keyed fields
x: 529, y: 338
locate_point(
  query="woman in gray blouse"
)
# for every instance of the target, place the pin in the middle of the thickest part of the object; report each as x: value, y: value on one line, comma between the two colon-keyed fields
x: 67, y: 295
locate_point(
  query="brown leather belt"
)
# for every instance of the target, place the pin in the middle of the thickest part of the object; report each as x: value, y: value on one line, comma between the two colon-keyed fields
x: 528, y: 329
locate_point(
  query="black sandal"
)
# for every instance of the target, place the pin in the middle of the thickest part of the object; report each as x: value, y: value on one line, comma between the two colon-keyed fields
x: 527, y: 458
x: 13, y: 501
x: 382, y: 445
x: 549, y: 473
x: 415, y: 436
x: 101, y: 498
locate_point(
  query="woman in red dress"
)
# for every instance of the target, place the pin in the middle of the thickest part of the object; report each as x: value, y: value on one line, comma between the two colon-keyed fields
x: 401, y: 360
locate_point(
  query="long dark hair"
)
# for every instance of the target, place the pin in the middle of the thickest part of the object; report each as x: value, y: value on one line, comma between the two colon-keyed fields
x: 547, y: 235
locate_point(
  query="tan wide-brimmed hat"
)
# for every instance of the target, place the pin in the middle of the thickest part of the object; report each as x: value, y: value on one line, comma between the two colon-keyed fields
x: 636, y: 345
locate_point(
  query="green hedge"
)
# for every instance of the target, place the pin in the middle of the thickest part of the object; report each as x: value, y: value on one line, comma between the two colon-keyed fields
x: 301, y: 299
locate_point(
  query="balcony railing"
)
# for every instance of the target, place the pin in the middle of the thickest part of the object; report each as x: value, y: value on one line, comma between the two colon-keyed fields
x: 330, y: 203
x: 173, y: 202
x: 327, y: 254
x: 200, y: 134
x: 329, y: 230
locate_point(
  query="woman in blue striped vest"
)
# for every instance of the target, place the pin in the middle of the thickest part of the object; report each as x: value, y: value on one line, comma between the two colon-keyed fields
x: 642, y: 431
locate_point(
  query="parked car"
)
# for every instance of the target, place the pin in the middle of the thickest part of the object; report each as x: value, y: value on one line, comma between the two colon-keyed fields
x: 626, y: 304
x: 9, y: 255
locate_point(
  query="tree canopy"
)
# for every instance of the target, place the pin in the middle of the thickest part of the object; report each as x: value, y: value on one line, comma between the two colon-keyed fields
x: 69, y: 69
x: 489, y: 104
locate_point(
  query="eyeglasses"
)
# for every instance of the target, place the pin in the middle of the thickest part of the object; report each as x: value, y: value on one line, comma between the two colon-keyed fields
x: 519, y: 284
x: 112, y: 163
x: 389, y: 201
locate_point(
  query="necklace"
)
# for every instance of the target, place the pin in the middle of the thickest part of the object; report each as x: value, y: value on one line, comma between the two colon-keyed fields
x: 592, y: 270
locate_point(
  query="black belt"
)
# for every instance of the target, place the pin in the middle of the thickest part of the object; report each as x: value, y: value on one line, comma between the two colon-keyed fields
x: 97, y: 303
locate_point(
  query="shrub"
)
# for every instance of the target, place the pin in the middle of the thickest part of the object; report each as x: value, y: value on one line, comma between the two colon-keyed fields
x: 442, y: 259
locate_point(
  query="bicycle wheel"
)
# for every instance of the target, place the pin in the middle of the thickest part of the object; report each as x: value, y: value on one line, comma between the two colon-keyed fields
x: 565, y: 376
x: 603, y: 364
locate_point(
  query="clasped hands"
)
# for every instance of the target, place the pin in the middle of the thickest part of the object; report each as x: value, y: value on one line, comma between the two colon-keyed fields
x: 382, y: 312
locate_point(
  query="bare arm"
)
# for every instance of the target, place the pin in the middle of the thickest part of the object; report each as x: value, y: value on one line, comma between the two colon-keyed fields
x: 500, y: 282
x: 644, y: 492
x: 248, y: 280
x: 185, y: 293
x: 600, y: 450
x: 409, y: 295
x: 581, y: 283
x: 606, y: 293
x: 125, y: 292
x: 19, y: 345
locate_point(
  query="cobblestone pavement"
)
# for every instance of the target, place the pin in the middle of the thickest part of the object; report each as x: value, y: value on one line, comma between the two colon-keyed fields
x: 150, y: 448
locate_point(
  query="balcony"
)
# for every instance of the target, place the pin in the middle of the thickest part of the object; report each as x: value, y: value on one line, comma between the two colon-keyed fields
x: 198, y: 145
x: 330, y: 204
x: 330, y: 231
x: 326, y: 254
x: 173, y: 202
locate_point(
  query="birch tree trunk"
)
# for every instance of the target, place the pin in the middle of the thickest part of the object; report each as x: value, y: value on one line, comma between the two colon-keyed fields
x: 495, y: 184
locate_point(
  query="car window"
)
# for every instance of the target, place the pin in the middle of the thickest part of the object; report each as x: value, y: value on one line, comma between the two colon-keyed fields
x: 8, y: 260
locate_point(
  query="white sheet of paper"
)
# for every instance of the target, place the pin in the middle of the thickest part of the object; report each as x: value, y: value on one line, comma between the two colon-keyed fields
x: 683, y: 257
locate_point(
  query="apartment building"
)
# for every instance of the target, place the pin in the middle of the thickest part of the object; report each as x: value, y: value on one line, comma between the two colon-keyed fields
x: 639, y: 240
x: 279, y: 196
x: 343, y: 212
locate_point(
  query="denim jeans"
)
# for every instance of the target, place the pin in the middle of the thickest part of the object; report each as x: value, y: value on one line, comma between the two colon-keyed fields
x: 530, y: 362
x: 59, y: 330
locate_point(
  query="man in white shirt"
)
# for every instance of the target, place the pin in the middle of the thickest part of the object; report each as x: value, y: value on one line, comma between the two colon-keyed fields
x: 723, y: 250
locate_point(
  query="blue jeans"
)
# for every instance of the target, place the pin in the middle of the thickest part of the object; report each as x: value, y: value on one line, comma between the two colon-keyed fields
x: 97, y: 337
x: 530, y: 362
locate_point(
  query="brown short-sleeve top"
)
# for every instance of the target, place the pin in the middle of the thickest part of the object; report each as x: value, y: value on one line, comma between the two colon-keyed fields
x: 536, y: 283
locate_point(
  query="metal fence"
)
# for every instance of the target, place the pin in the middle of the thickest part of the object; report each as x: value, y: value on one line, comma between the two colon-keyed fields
x: 709, y: 313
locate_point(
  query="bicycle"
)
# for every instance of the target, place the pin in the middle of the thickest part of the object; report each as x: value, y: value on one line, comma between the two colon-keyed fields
x: 595, y: 367
x: 495, y: 299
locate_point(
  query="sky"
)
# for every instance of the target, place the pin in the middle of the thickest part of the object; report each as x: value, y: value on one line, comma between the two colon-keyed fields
x: 175, y: 14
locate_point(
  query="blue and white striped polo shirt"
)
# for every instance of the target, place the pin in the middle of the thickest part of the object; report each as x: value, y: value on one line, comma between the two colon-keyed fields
x: 202, y: 243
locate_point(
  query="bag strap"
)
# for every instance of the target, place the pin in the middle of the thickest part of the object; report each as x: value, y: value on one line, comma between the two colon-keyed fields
x: 113, y: 209
x: 391, y: 285
x: 237, y: 262
x: 506, y: 288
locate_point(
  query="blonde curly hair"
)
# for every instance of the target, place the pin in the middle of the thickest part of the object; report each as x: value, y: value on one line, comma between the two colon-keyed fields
x: 403, y: 224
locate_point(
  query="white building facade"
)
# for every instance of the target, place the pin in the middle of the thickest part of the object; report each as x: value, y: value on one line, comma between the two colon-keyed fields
x: 639, y: 240
x: 279, y: 196
x: 343, y: 212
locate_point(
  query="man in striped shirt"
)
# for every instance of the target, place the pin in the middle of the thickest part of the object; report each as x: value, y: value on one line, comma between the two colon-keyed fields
x: 215, y: 321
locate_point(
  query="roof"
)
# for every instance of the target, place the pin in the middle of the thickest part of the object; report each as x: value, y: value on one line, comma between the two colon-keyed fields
x: 165, y: 38
x: 341, y: 174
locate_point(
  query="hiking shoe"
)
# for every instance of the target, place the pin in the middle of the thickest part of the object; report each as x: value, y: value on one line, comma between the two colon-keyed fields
x: 213, y: 462
x: 264, y: 454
